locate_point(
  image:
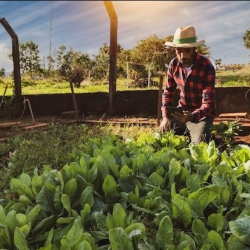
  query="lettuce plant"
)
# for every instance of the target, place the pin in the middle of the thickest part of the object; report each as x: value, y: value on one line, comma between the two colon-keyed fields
x: 155, y: 192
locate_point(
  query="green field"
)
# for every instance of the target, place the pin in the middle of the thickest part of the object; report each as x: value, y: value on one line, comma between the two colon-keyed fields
x: 52, y: 86
x: 228, y: 78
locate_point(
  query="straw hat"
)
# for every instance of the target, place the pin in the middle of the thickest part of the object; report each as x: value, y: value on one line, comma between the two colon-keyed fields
x: 185, y: 38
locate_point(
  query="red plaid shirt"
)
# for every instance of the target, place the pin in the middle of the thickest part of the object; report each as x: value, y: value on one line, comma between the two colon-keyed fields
x: 197, y: 91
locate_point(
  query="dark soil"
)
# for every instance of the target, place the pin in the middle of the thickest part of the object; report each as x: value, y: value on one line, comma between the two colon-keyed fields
x: 242, y: 138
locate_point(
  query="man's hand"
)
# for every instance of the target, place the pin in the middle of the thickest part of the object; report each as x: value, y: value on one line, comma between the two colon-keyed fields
x: 165, y: 123
x: 185, y: 117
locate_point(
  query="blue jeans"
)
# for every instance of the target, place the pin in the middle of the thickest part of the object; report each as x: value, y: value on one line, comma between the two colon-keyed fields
x: 198, y: 132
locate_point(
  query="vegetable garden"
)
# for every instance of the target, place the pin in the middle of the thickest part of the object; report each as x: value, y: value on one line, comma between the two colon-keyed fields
x: 113, y: 190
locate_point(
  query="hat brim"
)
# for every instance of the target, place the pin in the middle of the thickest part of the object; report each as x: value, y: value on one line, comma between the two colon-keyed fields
x: 185, y: 45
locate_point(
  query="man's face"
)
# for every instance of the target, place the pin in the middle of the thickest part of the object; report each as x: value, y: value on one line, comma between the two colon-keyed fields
x: 185, y: 56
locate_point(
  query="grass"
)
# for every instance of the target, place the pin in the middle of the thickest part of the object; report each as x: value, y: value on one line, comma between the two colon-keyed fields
x: 230, y: 78
x: 53, y: 86
x: 54, y: 147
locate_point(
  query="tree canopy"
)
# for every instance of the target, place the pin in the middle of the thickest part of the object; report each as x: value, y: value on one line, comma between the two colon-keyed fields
x: 246, y: 39
x: 29, y: 58
x: 149, y: 54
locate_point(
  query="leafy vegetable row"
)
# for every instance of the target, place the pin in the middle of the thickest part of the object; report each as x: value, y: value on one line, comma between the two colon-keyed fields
x: 157, y: 192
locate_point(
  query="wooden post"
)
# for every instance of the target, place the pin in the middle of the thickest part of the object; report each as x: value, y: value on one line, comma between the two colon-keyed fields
x: 127, y: 74
x: 15, y: 55
x: 31, y: 112
x: 149, y: 75
x: 159, y: 99
x: 113, y: 54
x: 74, y: 100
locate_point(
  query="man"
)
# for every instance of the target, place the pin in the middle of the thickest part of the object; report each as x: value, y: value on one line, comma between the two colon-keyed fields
x: 194, y: 75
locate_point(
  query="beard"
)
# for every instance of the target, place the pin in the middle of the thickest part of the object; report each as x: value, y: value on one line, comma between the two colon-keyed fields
x: 186, y: 62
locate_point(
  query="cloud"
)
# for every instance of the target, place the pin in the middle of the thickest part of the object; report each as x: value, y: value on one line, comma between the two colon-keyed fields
x: 85, y: 25
x: 4, y: 52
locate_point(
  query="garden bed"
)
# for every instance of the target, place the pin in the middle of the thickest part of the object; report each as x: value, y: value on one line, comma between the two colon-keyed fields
x: 110, y: 187
x: 17, y: 127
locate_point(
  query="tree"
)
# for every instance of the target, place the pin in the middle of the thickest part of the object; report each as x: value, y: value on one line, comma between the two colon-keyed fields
x: 217, y: 62
x: 246, y: 39
x: 170, y: 50
x: 60, y: 53
x: 204, y: 50
x: 123, y: 57
x: 100, y: 63
x: 29, y: 58
x: 150, y: 54
x: 51, y: 62
x: 2, y: 72
x: 70, y: 62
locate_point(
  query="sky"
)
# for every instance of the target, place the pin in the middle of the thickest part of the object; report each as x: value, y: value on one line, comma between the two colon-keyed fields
x: 85, y: 25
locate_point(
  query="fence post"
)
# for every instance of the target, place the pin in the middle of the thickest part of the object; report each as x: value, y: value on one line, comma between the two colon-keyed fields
x: 113, y: 54
x: 159, y: 98
x: 15, y: 55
